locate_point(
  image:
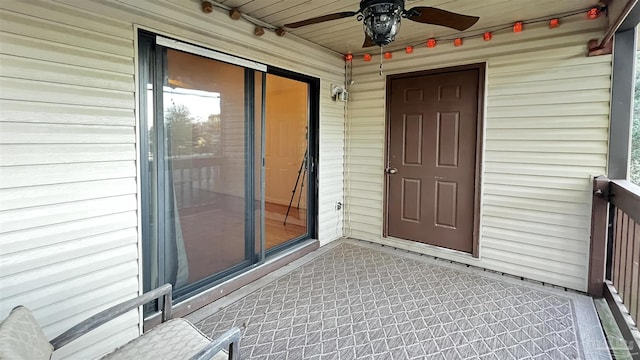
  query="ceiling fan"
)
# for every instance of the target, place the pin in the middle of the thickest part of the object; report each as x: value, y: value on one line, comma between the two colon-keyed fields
x: 381, y: 19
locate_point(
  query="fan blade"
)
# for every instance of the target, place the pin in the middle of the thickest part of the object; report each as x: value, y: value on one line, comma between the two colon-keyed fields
x: 368, y: 41
x: 429, y: 15
x: 320, y: 19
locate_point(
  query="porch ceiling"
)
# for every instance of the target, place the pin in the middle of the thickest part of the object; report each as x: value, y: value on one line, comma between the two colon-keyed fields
x: 346, y: 35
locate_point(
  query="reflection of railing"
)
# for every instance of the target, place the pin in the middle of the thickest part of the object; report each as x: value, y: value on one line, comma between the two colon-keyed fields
x: 615, y: 251
x: 195, y: 179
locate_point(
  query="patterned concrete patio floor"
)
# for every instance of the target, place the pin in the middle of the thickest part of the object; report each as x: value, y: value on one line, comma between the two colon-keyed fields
x: 355, y: 300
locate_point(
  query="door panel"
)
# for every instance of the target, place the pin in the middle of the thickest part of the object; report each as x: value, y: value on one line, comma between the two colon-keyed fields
x: 286, y: 159
x: 412, y: 137
x: 411, y: 190
x: 432, y: 158
x: 446, y: 204
x: 287, y: 117
x: 447, y: 137
x: 205, y: 159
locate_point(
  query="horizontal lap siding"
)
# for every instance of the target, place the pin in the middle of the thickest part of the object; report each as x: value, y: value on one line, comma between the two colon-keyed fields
x: 68, y: 177
x: 68, y: 226
x: 546, y: 133
x: 235, y: 37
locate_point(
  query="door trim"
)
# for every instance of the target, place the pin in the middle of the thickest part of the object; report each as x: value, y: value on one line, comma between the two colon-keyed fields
x: 208, y: 53
x: 481, y: 67
x: 313, y: 153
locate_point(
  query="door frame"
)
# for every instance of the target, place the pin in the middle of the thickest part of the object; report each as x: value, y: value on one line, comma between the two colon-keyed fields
x: 190, y: 294
x: 313, y: 155
x: 481, y: 67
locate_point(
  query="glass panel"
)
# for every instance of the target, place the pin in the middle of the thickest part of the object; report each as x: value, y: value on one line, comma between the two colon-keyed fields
x: 258, y: 176
x: 287, y: 116
x: 151, y: 280
x: 204, y: 177
x: 635, y: 135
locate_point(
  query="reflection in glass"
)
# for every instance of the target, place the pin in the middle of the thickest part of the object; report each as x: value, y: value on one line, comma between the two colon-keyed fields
x: 204, y: 126
x: 223, y: 151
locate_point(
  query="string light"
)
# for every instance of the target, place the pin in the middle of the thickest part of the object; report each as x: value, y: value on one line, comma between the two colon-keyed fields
x: 236, y: 14
x: 518, y: 27
x: 487, y: 34
x: 348, y: 57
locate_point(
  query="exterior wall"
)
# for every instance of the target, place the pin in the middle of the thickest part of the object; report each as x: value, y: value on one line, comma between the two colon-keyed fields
x: 69, y: 207
x: 546, y: 131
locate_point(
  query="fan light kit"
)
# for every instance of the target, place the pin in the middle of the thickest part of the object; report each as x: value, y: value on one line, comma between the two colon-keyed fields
x: 381, y: 19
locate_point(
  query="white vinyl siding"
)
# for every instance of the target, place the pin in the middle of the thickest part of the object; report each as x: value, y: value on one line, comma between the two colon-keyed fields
x: 69, y: 213
x: 546, y: 133
x: 68, y: 238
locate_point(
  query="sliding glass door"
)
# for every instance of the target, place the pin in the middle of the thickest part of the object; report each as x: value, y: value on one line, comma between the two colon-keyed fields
x: 208, y: 128
x: 286, y: 160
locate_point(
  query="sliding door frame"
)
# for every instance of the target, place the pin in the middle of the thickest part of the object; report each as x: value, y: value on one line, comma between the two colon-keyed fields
x: 152, y: 64
x: 313, y: 146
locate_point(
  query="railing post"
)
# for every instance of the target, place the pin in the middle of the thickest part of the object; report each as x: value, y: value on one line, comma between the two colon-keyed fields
x: 599, y: 231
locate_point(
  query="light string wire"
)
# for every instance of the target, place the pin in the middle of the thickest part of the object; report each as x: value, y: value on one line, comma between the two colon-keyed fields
x: 346, y: 173
x: 509, y: 26
x: 474, y: 34
x: 249, y: 19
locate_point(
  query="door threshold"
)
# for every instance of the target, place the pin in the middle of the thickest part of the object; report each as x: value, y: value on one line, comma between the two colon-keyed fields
x: 429, y: 250
x: 228, y: 286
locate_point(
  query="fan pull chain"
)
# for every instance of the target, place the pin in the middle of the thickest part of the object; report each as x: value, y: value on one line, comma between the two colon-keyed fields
x: 381, y: 60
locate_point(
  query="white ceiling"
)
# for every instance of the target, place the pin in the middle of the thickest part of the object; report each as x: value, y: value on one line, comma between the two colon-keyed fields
x: 346, y: 35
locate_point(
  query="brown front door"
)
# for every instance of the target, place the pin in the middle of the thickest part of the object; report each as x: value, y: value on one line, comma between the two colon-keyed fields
x: 431, y: 157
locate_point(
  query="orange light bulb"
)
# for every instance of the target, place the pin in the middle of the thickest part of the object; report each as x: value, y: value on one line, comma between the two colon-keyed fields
x: 518, y: 26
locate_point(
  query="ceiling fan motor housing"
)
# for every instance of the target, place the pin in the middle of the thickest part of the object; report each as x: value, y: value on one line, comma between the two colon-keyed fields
x: 381, y: 19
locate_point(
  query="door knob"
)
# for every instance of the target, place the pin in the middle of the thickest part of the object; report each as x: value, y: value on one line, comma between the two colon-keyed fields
x: 391, y: 170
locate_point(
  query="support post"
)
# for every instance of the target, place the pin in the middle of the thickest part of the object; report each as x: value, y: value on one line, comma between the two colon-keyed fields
x: 624, y: 58
x: 599, y: 230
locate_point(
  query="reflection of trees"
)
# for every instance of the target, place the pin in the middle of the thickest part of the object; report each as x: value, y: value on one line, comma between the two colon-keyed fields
x: 188, y: 136
x: 178, y: 122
